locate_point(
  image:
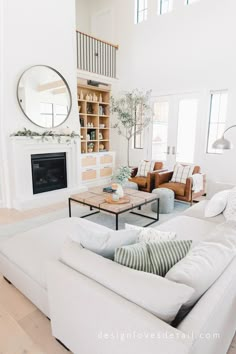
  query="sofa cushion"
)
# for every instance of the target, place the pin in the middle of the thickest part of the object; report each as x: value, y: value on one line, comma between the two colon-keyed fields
x: 224, y: 234
x: 104, y: 243
x: 164, y: 255
x: 157, y: 295
x: 141, y: 181
x: 198, y: 211
x: 145, y: 167
x: 217, y: 204
x: 178, y: 188
x: 181, y: 173
x: 31, y: 250
x: 152, y: 257
x: 201, y: 267
x: 187, y: 227
x: 135, y: 256
x: 148, y: 234
x: 230, y: 210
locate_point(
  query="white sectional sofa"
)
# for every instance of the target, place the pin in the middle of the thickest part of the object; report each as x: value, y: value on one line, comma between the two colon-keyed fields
x: 89, y: 317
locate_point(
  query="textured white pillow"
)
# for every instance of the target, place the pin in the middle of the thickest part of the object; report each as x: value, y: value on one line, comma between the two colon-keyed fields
x: 145, y: 167
x: 106, y: 242
x: 148, y: 234
x: 181, y: 173
x: 201, y: 267
x: 156, y: 294
x: 217, y: 204
x: 230, y: 210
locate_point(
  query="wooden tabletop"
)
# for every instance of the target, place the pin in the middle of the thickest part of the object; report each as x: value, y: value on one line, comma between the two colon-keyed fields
x: 96, y: 197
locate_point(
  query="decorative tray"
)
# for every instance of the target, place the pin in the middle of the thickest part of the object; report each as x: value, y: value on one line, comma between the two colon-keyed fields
x: 122, y: 200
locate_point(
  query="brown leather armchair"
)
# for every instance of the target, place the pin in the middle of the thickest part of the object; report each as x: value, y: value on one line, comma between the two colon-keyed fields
x: 146, y: 183
x: 183, y: 191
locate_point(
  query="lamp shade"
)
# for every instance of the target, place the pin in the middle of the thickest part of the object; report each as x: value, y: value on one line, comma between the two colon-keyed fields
x: 223, y: 144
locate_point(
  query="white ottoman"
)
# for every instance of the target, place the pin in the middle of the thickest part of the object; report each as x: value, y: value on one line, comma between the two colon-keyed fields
x: 166, y: 197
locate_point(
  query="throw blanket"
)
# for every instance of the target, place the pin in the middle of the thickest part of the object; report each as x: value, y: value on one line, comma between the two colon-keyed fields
x: 197, y: 182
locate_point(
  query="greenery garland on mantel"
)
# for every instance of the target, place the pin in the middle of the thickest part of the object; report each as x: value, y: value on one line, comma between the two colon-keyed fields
x: 46, y: 135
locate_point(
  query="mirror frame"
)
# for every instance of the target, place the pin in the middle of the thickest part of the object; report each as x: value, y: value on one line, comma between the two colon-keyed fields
x: 66, y: 84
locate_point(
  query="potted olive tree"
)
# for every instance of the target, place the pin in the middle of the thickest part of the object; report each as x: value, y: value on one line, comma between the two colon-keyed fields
x: 132, y: 111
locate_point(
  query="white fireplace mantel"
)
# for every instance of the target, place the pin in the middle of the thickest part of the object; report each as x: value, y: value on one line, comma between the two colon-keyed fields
x: 22, y: 148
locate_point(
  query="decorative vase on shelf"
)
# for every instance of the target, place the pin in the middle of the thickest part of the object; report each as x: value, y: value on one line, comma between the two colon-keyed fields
x: 101, y: 147
x: 100, y: 97
x: 81, y: 95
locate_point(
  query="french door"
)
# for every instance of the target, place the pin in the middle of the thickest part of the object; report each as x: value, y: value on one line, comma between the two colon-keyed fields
x: 174, y: 129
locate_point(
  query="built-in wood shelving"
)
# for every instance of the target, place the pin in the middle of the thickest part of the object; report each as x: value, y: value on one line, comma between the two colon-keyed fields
x: 94, y: 114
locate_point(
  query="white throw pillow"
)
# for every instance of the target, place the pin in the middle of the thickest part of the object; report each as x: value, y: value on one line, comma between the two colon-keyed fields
x: 148, y: 234
x: 217, y: 204
x: 201, y: 267
x: 156, y: 294
x: 181, y: 173
x: 145, y: 167
x: 230, y: 210
x: 106, y: 242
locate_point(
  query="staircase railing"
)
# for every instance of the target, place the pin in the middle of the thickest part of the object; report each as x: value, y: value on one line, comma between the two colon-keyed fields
x: 95, y: 55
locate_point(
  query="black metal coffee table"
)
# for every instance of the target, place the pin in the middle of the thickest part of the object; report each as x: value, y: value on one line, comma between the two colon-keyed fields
x: 95, y: 199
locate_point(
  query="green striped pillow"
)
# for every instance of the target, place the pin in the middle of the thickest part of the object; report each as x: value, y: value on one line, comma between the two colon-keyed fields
x: 164, y: 255
x: 134, y: 256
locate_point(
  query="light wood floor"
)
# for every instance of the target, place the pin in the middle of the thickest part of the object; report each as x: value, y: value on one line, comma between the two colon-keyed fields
x: 23, y: 328
x: 9, y: 216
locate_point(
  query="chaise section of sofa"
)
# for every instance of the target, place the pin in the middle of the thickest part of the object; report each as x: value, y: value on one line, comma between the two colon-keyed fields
x: 90, y: 318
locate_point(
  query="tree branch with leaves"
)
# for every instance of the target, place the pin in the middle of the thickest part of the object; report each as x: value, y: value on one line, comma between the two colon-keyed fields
x: 133, y: 112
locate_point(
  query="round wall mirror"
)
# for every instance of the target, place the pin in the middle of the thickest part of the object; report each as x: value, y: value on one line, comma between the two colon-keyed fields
x: 44, y: 96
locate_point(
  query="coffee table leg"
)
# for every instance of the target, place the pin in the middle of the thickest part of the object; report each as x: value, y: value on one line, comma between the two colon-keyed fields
x: 117, y: 221
x: 69, y: 207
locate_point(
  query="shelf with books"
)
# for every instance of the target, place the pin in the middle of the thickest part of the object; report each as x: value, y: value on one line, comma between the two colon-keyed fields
x: 94, y: 114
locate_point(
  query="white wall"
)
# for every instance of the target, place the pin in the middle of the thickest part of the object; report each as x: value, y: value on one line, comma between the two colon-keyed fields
x: 83, y: 17
x: 33, y: 32
x: 190, y: 49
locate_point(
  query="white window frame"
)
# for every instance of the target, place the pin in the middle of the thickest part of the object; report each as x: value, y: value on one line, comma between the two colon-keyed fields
x: 138, y: 11
x: 160, y: 4
x: 190, y: 2
x: 138, y: 137
x: 212, y: 93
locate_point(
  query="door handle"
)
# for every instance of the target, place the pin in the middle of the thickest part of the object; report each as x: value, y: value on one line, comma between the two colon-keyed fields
x: 173, y: 150
x: 168, y: 150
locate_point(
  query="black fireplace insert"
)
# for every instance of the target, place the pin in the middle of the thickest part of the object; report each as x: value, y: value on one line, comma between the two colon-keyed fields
x: 48, y: 172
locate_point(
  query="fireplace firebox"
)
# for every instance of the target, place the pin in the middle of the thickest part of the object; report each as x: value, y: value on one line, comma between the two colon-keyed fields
x: 48, y: 172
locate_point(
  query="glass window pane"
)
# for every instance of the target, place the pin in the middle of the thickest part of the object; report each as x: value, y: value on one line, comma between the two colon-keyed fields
x: 223, y: 107
x: 188, y: 2
x: 215, y: 108
x: 160, y: 130
x: 187, y: 120
x: 141, y: 10
x: 46, y: 108
x: 61, y: 109
x: 217, y: 119
x: 165, y: 6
